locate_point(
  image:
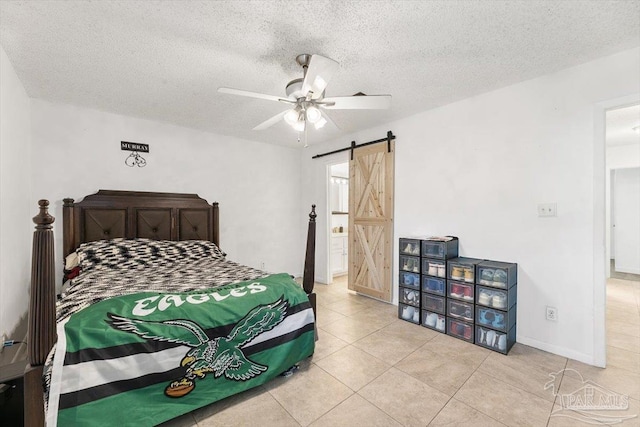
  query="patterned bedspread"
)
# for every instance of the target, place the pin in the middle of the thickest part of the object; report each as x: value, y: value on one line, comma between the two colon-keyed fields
x: 159, y: 286
x: 124, y: 266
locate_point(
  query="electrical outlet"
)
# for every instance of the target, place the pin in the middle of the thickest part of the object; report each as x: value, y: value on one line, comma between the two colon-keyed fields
x: 552, y: 313
x: 262, y: 265
x: 547, y: 209
x: 4, y: 338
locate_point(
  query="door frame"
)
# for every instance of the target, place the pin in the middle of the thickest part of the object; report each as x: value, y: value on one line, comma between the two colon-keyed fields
x: 335, y: 160
x: 601, y: 221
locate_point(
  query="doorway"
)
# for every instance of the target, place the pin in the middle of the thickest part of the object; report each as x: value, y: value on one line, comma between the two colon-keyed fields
x: 622, y: 227
x: 339, y: 225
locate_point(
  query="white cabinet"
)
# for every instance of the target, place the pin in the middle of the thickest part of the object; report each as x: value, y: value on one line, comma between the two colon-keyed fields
x: 339, y: 254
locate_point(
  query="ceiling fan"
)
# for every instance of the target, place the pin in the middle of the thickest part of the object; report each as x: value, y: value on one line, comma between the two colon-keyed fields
x: 306, y: 99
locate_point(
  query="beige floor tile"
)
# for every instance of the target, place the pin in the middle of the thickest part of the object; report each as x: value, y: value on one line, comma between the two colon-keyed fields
x: 402, y: 328
x: 187, y: 420
x: 350, y: 330
x: 457, y: 413
x: 630, y: 319
x: 632, y: 414
x: 624, y: 341
x: 330, y: 297
x: 613, y: 378
x: 308, y: 394
x: 390, y: 346
x: 520, y: 373
x: 353, y: 367
x: 406, y: 399
x: 456, y: 349
x: 442, y: 373
x: 326, y: 316
x: 348, y: 306
x: 562, y: 416
x: 355, y: 411
x: 219, y: 406
x: 327, y: 344
x: 566, y: 418
x: 627, y: 304
x: 379, y: 317
x: 623, y: 359
x: 623, y: 327
x: 508, y: 404
x: 261, y: 407
x: 367, y: 300
x: 527, y: 354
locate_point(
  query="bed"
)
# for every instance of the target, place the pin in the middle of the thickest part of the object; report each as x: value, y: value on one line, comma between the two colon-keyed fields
x: 158, y: 321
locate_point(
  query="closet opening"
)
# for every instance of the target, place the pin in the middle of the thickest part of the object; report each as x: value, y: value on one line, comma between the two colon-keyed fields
x: 339, y: 225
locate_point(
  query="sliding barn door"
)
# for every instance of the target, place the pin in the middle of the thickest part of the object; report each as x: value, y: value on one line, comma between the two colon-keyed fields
x: 371, y: 220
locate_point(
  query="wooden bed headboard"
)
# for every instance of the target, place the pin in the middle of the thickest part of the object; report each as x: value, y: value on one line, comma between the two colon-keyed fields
x: 110, y: 214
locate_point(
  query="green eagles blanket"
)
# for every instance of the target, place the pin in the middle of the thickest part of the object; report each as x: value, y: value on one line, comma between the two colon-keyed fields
x: 145, y: 358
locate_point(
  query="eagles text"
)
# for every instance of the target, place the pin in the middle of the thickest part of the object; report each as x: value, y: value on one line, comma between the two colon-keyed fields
x: 148, y: 305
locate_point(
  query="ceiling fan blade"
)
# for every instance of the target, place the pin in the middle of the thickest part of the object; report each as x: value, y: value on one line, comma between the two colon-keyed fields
x: 360, y: 102
x: 249, y: 94
x: 330, y: 120
x: 319, y: 73
x: 270, y: 122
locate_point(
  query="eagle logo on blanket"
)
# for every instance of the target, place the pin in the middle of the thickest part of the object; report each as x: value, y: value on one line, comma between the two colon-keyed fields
x: 221, y: 355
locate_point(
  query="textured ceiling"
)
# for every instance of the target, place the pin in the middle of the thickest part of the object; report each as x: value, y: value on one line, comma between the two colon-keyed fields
x: 165, y: 60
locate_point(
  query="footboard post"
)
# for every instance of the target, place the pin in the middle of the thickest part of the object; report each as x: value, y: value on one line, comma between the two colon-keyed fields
x: 42, y: 317
x: 310, y: 260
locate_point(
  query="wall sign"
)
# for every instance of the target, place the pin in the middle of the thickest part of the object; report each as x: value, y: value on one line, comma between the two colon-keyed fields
x: 134, y: 159
x: 134, y: 146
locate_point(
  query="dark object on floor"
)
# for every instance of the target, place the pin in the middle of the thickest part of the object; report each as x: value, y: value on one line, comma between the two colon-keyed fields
x: 290, y: 371
x: 12, y: 403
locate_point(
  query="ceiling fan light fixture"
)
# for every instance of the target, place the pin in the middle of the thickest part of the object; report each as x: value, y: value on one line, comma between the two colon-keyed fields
x: 292, y: 116
x: 320, y: 123
x: 313, y: 114
x: 299, y: 125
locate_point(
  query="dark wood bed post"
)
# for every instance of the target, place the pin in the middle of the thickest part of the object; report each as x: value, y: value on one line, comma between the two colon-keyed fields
x: 308, y: 279
x: 69, y: 236
x: 216, y: 223
x: 42, y: 315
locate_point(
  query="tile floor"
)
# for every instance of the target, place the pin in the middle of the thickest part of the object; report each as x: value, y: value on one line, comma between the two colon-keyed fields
x: 372, y: 369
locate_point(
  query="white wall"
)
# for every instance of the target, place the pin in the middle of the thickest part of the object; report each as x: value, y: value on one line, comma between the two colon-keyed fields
x: 76, y: 151
x: 15, y: 208
x: 478, y: 168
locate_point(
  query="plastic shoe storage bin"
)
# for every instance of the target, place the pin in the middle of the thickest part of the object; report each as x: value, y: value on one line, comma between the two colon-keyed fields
x: 410, y: 247
x: 434, y: 321
x: 409, y: 313
x: 434, y: 285
x: 434, y: 248
x: 410, y: 263
x: 502, y: 299
x: 496, y: 319
x: 494, y: 340
x: 462, y: 269
x: 409, y: 280
x: 433, y: 303
x: 460, y: 291
x: 459, y: 329
x: 409, y: 296
x: 434, y: 267
x: 460, y: 310
x: 497, y: 274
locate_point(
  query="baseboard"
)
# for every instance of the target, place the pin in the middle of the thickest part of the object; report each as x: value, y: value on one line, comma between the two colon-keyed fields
x: 623, y: 269
x: 559, y: 350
